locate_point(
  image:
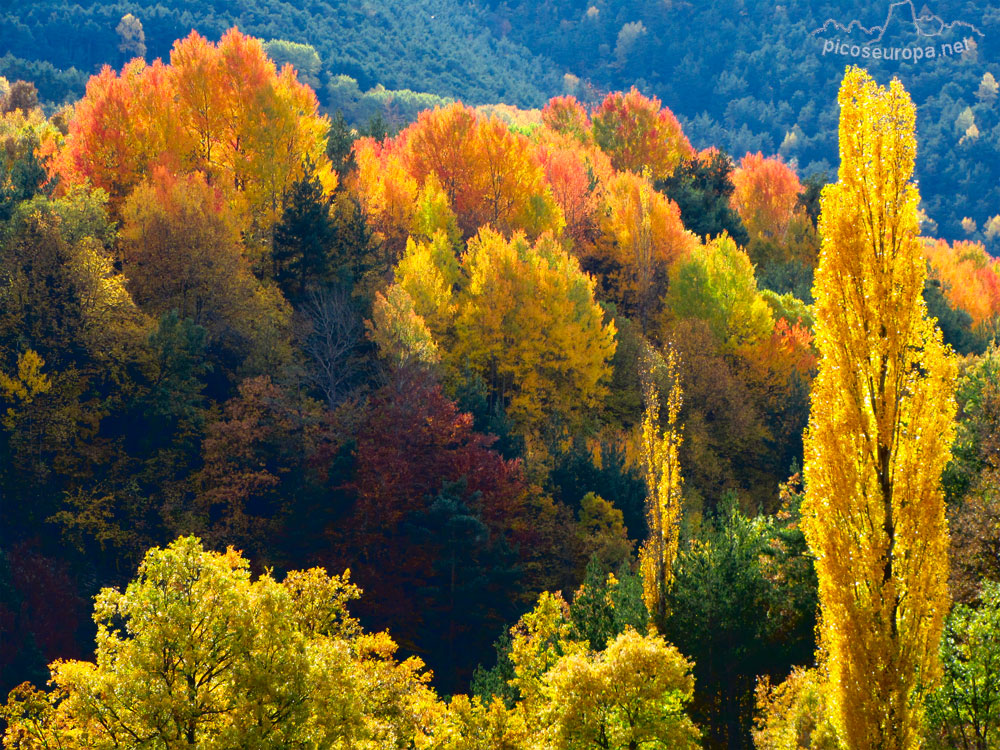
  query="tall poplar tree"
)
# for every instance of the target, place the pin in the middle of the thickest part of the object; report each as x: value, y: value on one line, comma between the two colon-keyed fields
x: 880, y: 431
x: 662, y: 471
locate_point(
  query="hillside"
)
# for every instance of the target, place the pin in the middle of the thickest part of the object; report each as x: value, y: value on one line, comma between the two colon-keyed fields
x: 437, y: 46
x: 487, y: 430
x: 741, y: 76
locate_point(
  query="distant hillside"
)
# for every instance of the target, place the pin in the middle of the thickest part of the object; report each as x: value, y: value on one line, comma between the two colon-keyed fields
x: 739, y: 75
x: 752, y: 76
x: 438, y: 46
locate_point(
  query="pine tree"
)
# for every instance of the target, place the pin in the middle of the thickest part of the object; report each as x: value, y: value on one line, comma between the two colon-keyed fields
x: 303, y: 237
x: 880, y: 431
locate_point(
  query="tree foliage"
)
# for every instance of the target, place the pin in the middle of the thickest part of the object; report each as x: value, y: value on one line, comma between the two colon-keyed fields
x: 881, y: 425
x: 221, y: 109
x: 196, y: 651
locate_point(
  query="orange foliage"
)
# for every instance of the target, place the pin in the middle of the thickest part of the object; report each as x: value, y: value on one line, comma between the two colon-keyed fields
x: 566, y: 116
x: 221, y: 109
x: 790, y: 348
x: 641, y: 235
x: 387, y: 192
x: 638, y: 132
x: 110, y: 142
x: 767, y: 191
x: 490, y: 174
x: 574, y: 173
x: 969, y: 276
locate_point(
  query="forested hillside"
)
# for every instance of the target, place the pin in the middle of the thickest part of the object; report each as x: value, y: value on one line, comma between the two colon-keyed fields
x: 484, y: 426
x: 741, y: 76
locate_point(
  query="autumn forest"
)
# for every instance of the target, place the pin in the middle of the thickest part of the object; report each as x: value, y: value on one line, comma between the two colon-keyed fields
x: 484, y: 426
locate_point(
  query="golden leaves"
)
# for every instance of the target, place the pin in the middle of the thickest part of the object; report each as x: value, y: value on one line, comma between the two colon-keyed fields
x: 880, y: 430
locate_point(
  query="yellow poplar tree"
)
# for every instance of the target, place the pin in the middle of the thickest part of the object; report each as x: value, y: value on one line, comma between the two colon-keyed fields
x: 880, y: 431
x: 662, y: 469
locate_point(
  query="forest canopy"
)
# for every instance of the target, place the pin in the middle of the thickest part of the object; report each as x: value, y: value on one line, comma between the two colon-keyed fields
x: 487, y: 426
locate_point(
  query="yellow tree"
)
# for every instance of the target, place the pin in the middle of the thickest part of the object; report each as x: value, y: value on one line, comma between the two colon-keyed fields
x: 528, y: 323
x: 662, y: 470
x: 880, y: 431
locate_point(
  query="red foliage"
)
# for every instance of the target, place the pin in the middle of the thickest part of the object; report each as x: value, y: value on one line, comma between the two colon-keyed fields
x: 638, y: 132
x: 44, y: 610
x: 566, y: 116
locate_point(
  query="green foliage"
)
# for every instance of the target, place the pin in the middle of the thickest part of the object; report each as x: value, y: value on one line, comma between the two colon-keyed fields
x: 466, y: 595
x: 445, y: 49
x: 716, y: 284
x: 965, y: 710
x: 702, y: 188
x: 736, y: 607
x: 302, y: 57
x: 977, y: 449
x: 607, y: 604
x: 303, y: 238
x: 392, y: 108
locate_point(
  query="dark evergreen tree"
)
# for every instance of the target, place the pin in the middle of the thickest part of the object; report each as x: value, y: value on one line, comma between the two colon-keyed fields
x: 701, y: 188
x: 605, y: 606
x: 303, y: 238
x: 728, y: 614
x: 809, y: 200
x: 473, y: 587
x: 340, y: 145
x: 377, y: 127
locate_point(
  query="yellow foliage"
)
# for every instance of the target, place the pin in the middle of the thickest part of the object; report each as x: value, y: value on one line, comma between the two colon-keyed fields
x: 429, y: 272
x: 880, y: 431
x: 662, y: 472
x: 631, y: 695
x: 795, y: 715
x: 538, y: 641
x: 387, y: 192
x: 528, y: 323
x: 474, y: 725
x: 641, y: 235
x: 30, y: 380
x: 399, y: 331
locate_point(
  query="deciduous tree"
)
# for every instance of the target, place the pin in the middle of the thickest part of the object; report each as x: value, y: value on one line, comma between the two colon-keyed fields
x: 880, y: 431
x: 639, y: 133
x: 641, y: 236
x: 528, y: 323
x: 662, y: 470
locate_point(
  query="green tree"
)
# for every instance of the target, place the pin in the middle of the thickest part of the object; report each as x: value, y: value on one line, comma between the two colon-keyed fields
x: 303, y: 57
x: 702, y: 187
x: 606, y: 604
x: 303, y: 237
x: 721, y: 615
x: 965, y: 709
